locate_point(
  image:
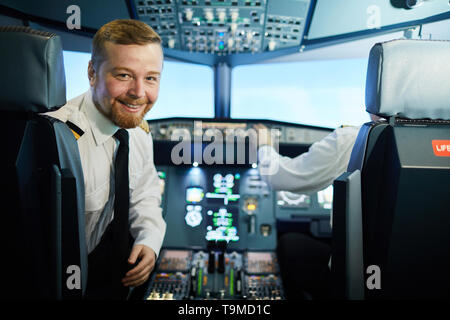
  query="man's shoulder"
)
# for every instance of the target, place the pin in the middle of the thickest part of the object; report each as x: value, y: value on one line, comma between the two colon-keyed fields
x: 65, y: 112
x: 71, y: 114
x: 346, y: 135
x: 348, y: 130
x: 141, y: 135
x: 141, y: 143
x: 144, y: 126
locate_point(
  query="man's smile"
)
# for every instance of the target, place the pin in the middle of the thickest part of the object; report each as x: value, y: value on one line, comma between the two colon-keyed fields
x: 130, y: 107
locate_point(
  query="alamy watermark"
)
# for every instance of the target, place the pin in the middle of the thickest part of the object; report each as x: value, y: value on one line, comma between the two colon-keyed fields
x: 374, y: 279
x: 74, y: 277
x: 229, y: 146
x: 74, y: 20
x: 373, y: 17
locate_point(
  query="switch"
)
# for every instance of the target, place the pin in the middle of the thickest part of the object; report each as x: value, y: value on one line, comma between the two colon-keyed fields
x: 189, y: 13
x: 211, y: 262
x: 221, y: 15
x: 221, y: 267
x: 234, y: 16
x: 230, y: 43
x: 272, y: 45
x: 209, y: 15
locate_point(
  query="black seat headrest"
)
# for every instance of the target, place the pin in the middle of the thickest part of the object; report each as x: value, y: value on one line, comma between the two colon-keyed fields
x: 33, y: 70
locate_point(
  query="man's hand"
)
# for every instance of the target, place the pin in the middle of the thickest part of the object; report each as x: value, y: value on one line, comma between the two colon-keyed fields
x: 264, y: 135
x: 139, y: 274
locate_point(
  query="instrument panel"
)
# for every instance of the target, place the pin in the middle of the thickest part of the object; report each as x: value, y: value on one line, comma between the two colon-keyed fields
x: 201, y: 275
x: 222, y: 227
x: 223, y: 219
x: 225, y: 27
x: 173, y: 129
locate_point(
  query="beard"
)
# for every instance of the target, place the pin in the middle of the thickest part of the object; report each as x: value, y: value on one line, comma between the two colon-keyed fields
x: 114, y: 110
x: 125, y: 119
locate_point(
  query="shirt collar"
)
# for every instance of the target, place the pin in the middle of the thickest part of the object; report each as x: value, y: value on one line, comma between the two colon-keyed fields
x: 102, y: 127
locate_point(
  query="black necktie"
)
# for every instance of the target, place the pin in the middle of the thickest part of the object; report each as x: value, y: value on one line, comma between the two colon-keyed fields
x: 121, y: 199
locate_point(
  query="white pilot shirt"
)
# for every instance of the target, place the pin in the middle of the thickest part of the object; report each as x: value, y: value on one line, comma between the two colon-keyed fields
x: 97, y: 148
x: 311, y: 171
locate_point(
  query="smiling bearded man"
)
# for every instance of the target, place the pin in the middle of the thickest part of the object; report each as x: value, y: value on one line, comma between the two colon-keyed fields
x: 124, y: 226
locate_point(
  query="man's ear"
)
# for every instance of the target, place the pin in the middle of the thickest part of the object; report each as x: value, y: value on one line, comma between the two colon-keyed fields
x: 91, y: 73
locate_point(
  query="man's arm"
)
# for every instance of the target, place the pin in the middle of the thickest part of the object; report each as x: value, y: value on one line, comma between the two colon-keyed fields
x: 311, y: 171
x: 147, y: 225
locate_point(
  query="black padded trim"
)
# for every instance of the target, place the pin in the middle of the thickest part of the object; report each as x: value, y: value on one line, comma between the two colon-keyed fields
x: 26, y: 30
x: 422, y: 121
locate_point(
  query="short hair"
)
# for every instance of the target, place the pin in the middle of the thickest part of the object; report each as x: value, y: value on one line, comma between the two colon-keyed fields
x: 121, y: 31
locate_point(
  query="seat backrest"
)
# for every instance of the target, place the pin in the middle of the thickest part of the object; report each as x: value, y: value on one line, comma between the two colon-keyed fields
x: 405, y: 169
x: 42, y: 187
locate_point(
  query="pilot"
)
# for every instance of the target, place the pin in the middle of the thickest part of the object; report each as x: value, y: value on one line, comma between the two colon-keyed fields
x: 307, y: 275
x: 311, y: 171
x: 124, y: 225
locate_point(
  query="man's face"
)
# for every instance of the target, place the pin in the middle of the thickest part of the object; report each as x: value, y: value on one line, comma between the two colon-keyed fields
x: 126, y: 85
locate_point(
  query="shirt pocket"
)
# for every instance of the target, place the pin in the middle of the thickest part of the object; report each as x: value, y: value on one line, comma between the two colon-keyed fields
x: 97, y: 199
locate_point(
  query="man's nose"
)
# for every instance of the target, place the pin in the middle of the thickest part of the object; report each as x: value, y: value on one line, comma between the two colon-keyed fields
x: 137, y: 89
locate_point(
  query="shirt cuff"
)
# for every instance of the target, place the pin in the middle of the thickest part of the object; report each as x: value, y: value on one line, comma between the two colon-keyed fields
x: 150, y: 241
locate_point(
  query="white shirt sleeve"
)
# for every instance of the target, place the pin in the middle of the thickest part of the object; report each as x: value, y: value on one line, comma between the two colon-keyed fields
x: 313, y: 170
x: 146, y: 223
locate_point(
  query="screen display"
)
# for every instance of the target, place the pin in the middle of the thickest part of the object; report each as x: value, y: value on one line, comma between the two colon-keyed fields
x: 212, y: 203
x: 194, y: 194
x: 293, y: 200
x: 223, y: 188
x: 193, y: 216
x: 222, y: 206
x: 222, y: 224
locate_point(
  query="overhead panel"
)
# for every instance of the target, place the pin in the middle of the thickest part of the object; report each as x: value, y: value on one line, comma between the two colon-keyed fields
x: 225, y: 27
x: 285, y: 23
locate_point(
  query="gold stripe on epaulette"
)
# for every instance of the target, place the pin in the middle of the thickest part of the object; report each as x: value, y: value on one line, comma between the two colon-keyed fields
x: 144, y: 126
x: 76, y: 135
x: 77, y: 132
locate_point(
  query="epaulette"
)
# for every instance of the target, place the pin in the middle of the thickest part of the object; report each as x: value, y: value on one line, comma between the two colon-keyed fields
x: 144, y: 126
x: 77, y: 132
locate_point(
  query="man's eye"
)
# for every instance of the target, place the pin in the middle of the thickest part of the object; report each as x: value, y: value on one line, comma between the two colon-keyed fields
x: 123, y: 76
x: 152, y: 78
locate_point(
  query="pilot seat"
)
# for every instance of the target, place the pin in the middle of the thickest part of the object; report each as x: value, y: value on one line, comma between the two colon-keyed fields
x: 42, y: 188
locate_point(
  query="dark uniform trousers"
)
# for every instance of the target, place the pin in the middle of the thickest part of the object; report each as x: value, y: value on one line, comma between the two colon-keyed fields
x: 106, y: 269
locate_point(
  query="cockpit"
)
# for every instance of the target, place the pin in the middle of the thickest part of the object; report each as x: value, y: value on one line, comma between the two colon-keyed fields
x: 300, y: 68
